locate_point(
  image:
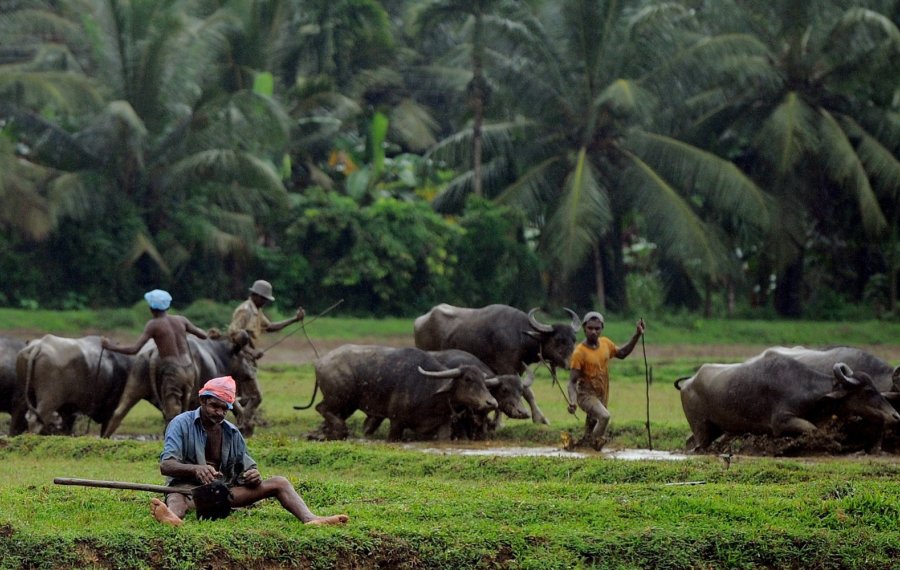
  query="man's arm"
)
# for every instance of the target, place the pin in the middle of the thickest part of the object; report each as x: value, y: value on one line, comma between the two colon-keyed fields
x: 139, y: 343
x: 179, y: 470
x: 193, y: 329
x: 275, y: 327
x: 574, y: 375
x: 626, y: 350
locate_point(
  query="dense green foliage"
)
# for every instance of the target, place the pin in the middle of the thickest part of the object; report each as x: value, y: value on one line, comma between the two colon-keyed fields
x: 747, y: 150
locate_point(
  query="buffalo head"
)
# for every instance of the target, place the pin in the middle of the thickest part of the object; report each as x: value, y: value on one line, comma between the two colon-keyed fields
x: 465, y: 385
x: 557, y: 341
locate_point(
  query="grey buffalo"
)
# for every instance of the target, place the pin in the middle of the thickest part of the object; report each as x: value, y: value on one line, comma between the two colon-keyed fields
x: 12, y: 400
x: 885, y: 377
x: 407, y: 386
x: 62, y: 377
x: 503, y: 337
x: 774, y: 394
x: 212, y: 357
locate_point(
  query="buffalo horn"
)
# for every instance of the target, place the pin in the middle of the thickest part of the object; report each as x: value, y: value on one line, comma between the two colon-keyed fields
x: 492, y: 382
x: 540, y: 327
x: 451, y: 373
x: 844, y: 373
x: 576, y: 322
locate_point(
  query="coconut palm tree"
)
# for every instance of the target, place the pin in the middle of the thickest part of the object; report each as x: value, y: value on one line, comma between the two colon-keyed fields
x: 172, y: 143
x: 811, y: 110
x: 579, y: 152
x: 477, y: 19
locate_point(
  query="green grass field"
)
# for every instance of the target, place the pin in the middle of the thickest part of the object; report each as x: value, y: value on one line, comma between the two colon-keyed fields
x: 428, y: 506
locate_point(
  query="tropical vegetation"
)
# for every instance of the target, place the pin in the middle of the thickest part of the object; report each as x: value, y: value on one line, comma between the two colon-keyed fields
x: 738, y: 157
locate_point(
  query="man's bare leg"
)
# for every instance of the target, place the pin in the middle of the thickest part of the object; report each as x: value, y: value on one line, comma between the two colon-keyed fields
x: 162, y: 513
x: 284, y: 492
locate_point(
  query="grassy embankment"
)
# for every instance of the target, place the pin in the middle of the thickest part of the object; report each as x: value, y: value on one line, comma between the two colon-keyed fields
x: 412, y: 509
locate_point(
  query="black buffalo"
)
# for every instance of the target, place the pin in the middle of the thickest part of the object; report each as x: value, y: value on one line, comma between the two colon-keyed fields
x: 503, y: 337
x: 508, y: 390
x: 62, y: 377
x: 885, y: 377
x: 12, y: 399
x: 776, y: 395
x: 407, y: 386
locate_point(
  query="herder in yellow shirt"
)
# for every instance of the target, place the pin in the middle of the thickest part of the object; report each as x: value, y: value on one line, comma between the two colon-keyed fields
x: 589, y: 379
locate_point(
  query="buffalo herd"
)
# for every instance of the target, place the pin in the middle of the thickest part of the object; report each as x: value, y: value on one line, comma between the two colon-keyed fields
x: 469, y: 368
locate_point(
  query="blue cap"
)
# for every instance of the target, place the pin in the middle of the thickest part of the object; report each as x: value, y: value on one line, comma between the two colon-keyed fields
x: 158, y: 299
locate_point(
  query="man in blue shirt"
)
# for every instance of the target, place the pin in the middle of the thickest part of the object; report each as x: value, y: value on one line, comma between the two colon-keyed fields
x: 201, y: 447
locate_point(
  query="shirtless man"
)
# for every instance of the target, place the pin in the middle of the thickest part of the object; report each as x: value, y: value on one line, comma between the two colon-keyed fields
x: 201, y: 447
x: 175, y: 371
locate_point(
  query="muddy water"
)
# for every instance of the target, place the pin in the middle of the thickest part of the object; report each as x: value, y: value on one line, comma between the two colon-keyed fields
x: 498, y: 451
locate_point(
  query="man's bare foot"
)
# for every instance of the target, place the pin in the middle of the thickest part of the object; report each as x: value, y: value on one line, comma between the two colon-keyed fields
x: 162, y: 513
x: 333, y: 519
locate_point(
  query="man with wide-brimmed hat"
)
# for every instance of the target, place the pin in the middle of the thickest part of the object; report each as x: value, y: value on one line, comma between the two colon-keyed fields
x: 247, y: 324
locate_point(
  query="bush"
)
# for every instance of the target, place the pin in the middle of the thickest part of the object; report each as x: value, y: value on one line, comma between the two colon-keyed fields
x: 208, y: 314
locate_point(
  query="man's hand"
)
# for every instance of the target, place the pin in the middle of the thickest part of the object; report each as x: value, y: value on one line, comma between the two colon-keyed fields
x: 300, y: 314
x: 572, y: 408
x: 640, y: 327
x: 104, y: 342
x: 252, y: 478
x: 206, y: 474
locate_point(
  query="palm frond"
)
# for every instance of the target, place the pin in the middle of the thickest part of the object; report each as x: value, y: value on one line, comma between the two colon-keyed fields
x: 413, y: 125
x: 581, y: 219
x: 625, y: 98
x: 142, y: 244
x: 720, y: 182
x: 228, y: 167
x: 65, y: 92
x: 789, y: 132
x: 529, y: 191
x: 880, y: 163
x: 671, y: 222
x: 845, y: 167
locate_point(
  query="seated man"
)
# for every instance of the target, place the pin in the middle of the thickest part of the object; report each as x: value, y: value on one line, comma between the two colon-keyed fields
x: 201, y: 447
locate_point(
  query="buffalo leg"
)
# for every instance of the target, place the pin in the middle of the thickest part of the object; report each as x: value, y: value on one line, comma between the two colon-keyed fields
x: 791, y: 425
x: 371, y: 424
x: 128, y: 400
x: 536, y: 415
x: 335, y: 427
x: 396, y: 431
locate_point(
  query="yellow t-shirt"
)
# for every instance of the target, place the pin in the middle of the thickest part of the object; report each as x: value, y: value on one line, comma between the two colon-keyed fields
x: 594, y: 366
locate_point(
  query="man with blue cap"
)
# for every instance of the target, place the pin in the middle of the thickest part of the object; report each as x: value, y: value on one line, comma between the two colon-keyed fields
x: 176, y: 373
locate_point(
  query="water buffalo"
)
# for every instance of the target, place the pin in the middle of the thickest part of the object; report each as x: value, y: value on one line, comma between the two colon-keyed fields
x: 64, y: 376
x: 508, y: 390
x: 212, y: 356
x: 407, y: 386
x: 773, y: 394
x: 503, y: 337
x: 885, y: 377
x: 12, y: 400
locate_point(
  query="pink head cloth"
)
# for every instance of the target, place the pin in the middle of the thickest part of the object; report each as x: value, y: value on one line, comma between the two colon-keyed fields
x: 222, y: 388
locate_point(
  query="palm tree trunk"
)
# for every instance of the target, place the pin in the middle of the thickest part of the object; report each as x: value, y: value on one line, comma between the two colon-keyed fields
x: 598, y: 278
x: 477, y: 95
